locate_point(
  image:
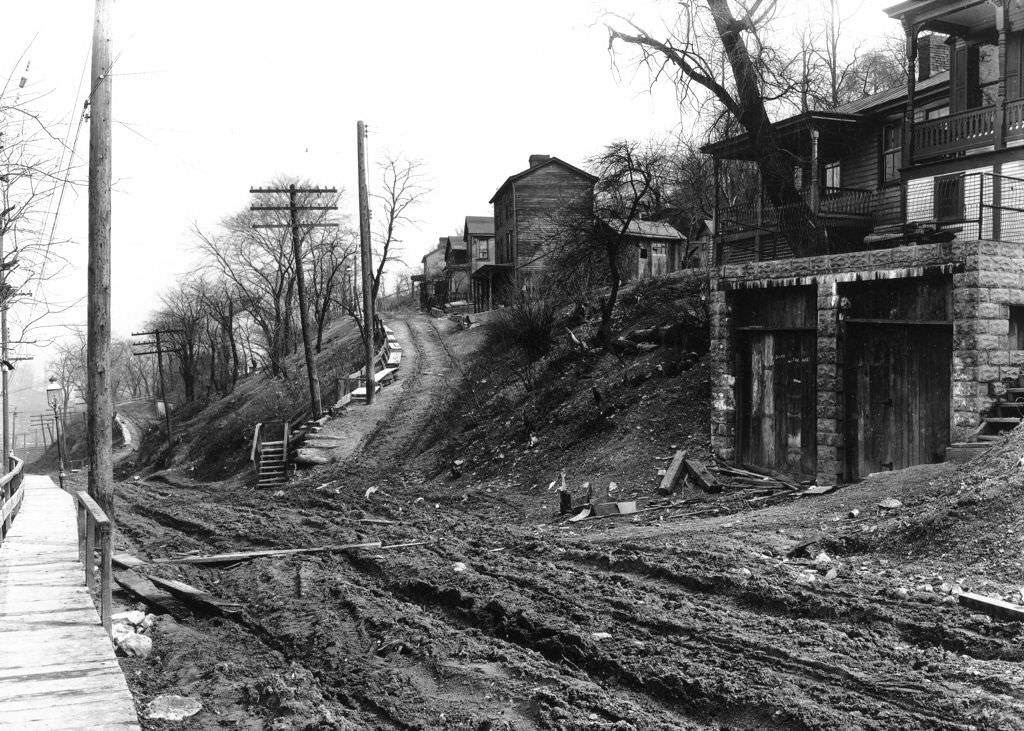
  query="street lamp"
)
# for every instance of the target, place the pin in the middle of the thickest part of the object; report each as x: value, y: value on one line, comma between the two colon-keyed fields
x: 54, y: 391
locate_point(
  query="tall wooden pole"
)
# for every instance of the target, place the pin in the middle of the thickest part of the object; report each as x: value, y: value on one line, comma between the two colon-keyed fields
x: 364, y: 245
x: 100, y: 406
x: 5, y: 355
x: 300, y: 283
x: 163, y: 389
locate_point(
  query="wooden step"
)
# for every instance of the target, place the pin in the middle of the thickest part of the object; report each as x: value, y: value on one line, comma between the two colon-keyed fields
x: 988, y: 437
x: 1002, y: 420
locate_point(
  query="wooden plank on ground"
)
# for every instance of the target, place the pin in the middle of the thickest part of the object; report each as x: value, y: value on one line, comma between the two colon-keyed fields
x: 700, y: 474
x: 269, y: 553
x: 996, y: 607
x: 146, y: 591
x: 673, y: 473
x: 197, y: 597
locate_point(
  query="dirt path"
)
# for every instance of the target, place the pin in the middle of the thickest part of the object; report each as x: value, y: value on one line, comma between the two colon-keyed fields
x: 400, y: 415
x: 498, y: 624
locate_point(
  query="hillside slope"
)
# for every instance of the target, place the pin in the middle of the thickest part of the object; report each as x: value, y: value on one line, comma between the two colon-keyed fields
x: 706, y: 612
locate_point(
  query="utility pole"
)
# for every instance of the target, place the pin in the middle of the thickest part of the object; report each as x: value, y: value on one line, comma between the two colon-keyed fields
x: 160, y: 350
x: 293, y: 209
x: 367, y: 256
x: 101, y: 409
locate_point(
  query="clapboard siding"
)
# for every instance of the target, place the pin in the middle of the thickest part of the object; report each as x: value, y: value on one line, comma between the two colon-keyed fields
x: 540, y: 202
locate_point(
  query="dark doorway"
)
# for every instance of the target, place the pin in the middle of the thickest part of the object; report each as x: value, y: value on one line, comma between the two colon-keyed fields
x: 776, y: 371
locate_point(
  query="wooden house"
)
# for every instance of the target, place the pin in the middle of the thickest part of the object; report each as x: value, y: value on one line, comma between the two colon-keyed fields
x: 527, y: 211
x: 654, y: 248
x: 456, y: 268
x: 478, y: 233
x: 433, y: 290
x: 899, y: 340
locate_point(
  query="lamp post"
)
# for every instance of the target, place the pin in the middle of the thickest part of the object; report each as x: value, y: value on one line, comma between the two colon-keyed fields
x: 53, y: 398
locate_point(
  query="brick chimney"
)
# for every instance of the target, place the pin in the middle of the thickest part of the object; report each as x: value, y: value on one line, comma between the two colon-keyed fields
x: 932, y: 55
x: 536, y: 160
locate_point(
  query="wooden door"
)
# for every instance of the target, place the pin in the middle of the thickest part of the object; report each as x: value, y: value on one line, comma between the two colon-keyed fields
x: 777, y: 414
x: 897, y: 385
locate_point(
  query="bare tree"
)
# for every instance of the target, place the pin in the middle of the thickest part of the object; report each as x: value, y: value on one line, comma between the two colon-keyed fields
x: 403, y: 187
x: 690, y: 45
x: 631, y: 186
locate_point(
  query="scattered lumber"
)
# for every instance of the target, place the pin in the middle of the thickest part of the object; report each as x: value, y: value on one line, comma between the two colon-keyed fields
x: 247, y: 555
x: 197, y: 597
x: 701, y: 475
x: 672, y: 474
x: 995, y: 607
x: 126, y: 561
x: 146, y: 591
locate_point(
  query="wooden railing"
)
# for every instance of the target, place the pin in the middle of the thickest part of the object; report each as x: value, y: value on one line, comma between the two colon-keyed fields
x: 833, y: 202
x: 973, y: 128
x: 11, y: 495
x: 1014, y: 119
x: 93, y: 523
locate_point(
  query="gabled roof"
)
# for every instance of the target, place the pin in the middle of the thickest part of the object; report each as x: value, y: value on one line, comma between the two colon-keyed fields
x: 479, y: 226
x: 526, y: 173
x: 649, y: 229
x: 896, y: 94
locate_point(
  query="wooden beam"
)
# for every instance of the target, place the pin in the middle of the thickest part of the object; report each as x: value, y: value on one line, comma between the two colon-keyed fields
x: 996, y: 607
x: 672, y: 474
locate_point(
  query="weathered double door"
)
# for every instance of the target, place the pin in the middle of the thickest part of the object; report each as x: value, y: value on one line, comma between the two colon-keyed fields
x: 897, y: 390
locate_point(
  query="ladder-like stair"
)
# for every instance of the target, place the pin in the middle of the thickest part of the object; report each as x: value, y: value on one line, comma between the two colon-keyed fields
x: 271, y: 470
x: 1005, y: 416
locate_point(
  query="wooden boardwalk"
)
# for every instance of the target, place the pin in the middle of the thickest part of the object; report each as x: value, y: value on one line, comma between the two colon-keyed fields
x: 57, y: 665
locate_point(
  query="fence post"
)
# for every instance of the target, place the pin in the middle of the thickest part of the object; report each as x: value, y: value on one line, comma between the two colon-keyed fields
x: 81, y: 529
x: 105, y: 571
x: 90, y: 549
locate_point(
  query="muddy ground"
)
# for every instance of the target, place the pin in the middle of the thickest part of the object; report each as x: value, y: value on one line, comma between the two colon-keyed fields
x: 509, y: 617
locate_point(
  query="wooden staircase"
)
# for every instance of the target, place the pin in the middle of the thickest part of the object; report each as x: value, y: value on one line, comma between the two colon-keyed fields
x: 270, y: 455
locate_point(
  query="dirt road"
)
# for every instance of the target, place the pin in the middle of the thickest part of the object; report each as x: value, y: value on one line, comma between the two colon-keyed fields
x: 496, y: 623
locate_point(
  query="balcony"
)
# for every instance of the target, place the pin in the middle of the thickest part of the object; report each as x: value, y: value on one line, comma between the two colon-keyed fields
x: 966, y: 206
x: 752, y: 232
x: 975, y: 128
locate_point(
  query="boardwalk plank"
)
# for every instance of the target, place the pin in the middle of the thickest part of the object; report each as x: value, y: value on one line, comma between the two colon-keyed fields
x: 57, y: 665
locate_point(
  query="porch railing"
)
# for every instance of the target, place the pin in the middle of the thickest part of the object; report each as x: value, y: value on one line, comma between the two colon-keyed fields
x: 968, y: 206
x: 833, y: 202
x: 973, y: 128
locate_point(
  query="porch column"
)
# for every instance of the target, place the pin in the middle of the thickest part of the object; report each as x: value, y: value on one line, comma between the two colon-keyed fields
x: 716, y: 256
x: 1000, y: 112
x: 815, y: 175
x: 908, y: 113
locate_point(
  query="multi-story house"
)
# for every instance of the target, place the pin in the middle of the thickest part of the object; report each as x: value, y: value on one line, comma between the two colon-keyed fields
x: 528, y: 207
x: 434, y: 290
x: 902, y: 332
x: 478, y: 233
x: 456, y: 267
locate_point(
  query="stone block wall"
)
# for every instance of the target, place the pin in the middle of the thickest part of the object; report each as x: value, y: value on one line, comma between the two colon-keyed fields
x: 988, y: 277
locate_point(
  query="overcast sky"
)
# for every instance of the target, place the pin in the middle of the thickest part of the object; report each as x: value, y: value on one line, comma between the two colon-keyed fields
x: 212, y: 97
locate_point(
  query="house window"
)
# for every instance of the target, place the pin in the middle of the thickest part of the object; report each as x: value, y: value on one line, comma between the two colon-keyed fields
x: 949, y: 198
x: 892, y: 152
x: 832, y: 179
x: 483, y: 248
x: 643, y: 252
x: 658, y: 249
x: 798, y: 177
x: 1016, y: 337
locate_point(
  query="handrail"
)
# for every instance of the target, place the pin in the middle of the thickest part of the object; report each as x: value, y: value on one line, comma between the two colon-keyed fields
x: 90, y: 519
x: 257, y: 441
x: 11, y: 495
